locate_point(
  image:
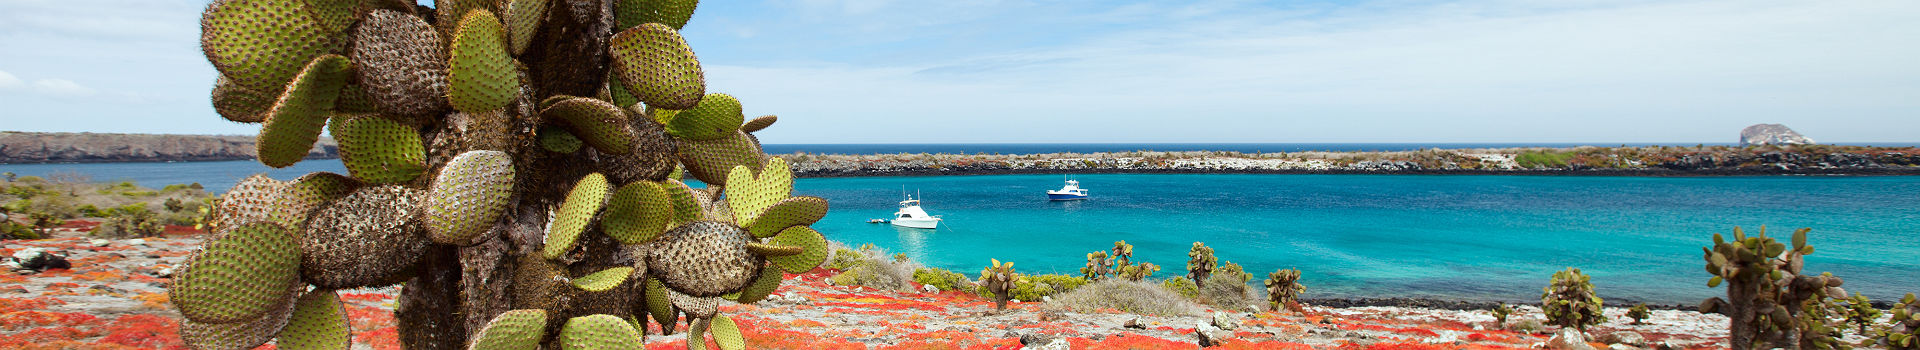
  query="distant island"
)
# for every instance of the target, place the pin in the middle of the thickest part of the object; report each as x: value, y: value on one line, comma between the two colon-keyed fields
x: 63, y: 147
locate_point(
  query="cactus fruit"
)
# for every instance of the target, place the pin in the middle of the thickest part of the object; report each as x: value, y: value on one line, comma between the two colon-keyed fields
x: 1200, y: 262
x: 1766, y: 290
x: 239, y: 275
x: 319, y: 322
x: 1569, y: 301
x: 1639, y: 313
x: 513, y: 330
x: 1283, y: 290
x: 465, y: 129
x: 998, y: 279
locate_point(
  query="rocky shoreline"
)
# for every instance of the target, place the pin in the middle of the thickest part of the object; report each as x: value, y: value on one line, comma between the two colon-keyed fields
x: 61, y: 147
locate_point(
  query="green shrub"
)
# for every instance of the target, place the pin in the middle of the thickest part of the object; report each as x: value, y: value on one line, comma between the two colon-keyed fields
x: 944, y: 280
x: 11, y: 230
x: 1182, y: 286
x: 1569, y: 301
x: 1227, y: 292
x: 1144, y: 298
x: 1543, y: 159
x: 1639, y: 313
x: 866, y: 267
x: 844, y: 259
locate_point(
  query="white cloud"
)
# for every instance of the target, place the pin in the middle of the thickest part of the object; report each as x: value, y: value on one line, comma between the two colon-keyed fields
x: 8, y: 81
x: 61, y: 87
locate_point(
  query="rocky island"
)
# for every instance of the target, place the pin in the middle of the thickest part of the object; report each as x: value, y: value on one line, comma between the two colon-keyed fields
x: 67, y: 147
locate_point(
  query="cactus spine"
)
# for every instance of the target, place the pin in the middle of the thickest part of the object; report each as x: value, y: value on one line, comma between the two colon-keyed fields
x: 509, y: 161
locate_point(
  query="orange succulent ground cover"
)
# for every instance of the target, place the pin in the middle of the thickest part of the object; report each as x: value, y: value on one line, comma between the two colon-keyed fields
x: 114, y: 297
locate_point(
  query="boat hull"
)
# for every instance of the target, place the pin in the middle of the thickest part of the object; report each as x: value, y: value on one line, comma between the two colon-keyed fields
x: 1065, y: 196
x: 917, y: 223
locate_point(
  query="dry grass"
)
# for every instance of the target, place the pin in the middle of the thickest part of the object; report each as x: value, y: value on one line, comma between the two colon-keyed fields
x: 870, y: 266
x: 1146, y: 298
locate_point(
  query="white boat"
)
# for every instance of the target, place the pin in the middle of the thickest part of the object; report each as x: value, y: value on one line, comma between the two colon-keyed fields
x: 910, y: 215
x: 1070, y: 192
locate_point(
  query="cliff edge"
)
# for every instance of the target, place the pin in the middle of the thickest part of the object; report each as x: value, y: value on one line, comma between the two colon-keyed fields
x: 61, y: 147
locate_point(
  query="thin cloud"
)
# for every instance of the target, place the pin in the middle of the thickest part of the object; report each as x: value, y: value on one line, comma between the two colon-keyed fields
x: 8, y: 81
x: 62, y: 88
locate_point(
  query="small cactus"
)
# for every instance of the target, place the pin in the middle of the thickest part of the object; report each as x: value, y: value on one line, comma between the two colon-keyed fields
x: 1099, y: 266
x: 1860, y: 312
x: 1122, y: 253
x: 1283, y: 290
x: 998, y: 279
x: 1500, y: 313
x: 1903, y: 330
x: 1569, y: 301
x: 1138, y: 272
x: 1639, y: 313
x: 1200, y: 262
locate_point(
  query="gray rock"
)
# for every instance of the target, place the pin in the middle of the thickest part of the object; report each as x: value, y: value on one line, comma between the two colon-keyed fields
x: 1208, y: 335
x: 1134, y: 323
x: 101, y: 242
x: 1629, y: 338
x: 1035, y: 339
x: 38, y: 259
x: 1224, y: 321
x: 1771, y: 134
x: 1569, y: 339
x: 929, y: 289
x: 1622, y: 347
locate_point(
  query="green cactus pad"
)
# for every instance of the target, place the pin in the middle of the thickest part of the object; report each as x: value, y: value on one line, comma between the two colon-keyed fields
x: 759, y: 123
x: 319, y: 322
x: 401, y: 64
x: 599, y: 332
x: 378, y: 150
x: 763, y: 286
x: 480, y: 75
x: 263, y: 44
x: 240, y: 104
x: 672, y: 13
x: 637, y: 213
x: 658, y: 67
x: 558, y: 140
x: 368, y: 238
x: 334, y: 16
x: 685, y: 208
x: 354, y: 99
x: 791, y: 212
x: 241, y: 335
x: 619, y: 94
x: 710, y: 160
x: 294, y: 123
x: 704, y: 259
x: 449, y: 13
x: 468, y: 197
x: 513, y: 330
x: 718, y: 115
x: 253, y: 199
x: 242, y: 274
x: 302, y: 196
x: 599, y: 123
x: 726, y: 333
x: 572, y: 217
x: 749, y: 195
x: 659, y: 307
x: 811, y: 241
x: 523, y: 18
x: 772, y: 250
x: 604, y: 280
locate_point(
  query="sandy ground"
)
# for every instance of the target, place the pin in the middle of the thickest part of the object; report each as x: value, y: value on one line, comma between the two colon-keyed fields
x: 114, y: 297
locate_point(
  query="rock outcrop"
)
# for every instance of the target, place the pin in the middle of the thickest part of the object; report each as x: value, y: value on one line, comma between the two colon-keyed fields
x: 35, y: 147
x: 1771, y: 134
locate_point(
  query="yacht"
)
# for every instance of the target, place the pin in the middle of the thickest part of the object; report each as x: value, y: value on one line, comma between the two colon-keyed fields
x: 1070, y: 192
x: 910, y: 215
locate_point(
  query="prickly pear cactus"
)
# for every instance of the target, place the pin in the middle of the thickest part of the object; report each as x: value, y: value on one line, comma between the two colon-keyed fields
x: 1200, y: 262
x: 1500, y: 313
x: 1099, y: 266
x: 1903, y: 330
x: 998, y: 279
x: 1568, y: 300
x: 1767, y: 293
x: 1138, y: 272
x: 1122, y: 253
x: 1283, y: 289
x: 511, y: 163
x: 1639, y: 313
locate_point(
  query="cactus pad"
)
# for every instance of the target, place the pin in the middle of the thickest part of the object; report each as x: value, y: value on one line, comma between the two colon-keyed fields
x: 637, y: 213
x: 604, y: 280
x: 717, y: 116
x: 513, y: 330
x: 672, y: 13
x: 238, y: 103
x: 710, y: 160
x: 558, y: 140
x: 468, y: 196
x: 302, y: 196
x: 599, y: 332
x: 294, y: 123
x: 368, y: 238
x: 571, y: 219
x: 599, y: 123
x: 759, y: 123
x: 791, y: 212
x: 762, y: 286
x: 618, y: 94
x: 401, y: 64
x: 241, y: 335
x: 814, y: 248
x: 354, y: 99
x: 726, y: 334
x: 379, y: 150
x: 262, y: 44
x: 749, y: 195
x: 253, y: 199
x: 659, y: 306
x: 480, y: 76
x: 705, y: 259
x: 686, y: 208
x: 523, y: 18
x: 319, y: 322
x: 694, y: 307
x: 242, y: 274
x: 658, y: 67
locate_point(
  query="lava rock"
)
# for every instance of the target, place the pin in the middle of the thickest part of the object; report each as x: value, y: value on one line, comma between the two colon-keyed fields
x: 1569, y: 339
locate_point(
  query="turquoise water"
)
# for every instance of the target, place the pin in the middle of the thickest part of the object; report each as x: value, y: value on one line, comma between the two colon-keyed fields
x: 1457, y: 237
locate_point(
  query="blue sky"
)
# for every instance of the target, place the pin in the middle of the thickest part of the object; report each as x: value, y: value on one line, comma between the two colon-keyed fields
x: 909, y: 71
